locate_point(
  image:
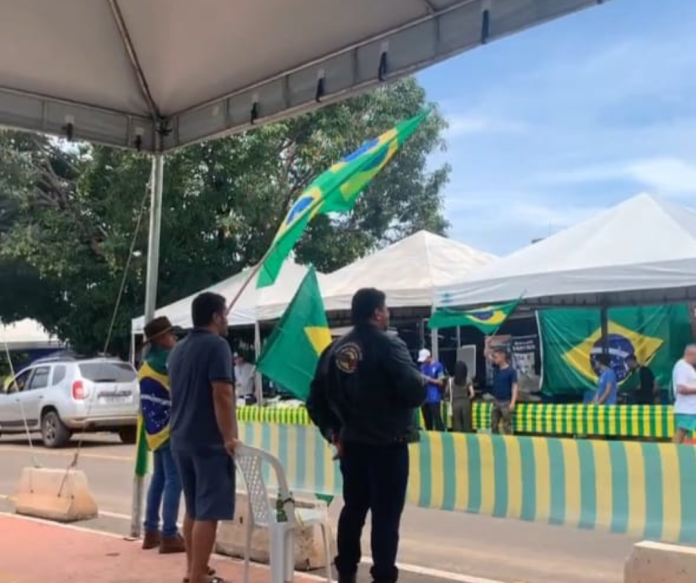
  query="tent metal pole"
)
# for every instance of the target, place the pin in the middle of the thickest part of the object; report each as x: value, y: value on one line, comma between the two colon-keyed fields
x: 258, y: 381
x: 153, y: 247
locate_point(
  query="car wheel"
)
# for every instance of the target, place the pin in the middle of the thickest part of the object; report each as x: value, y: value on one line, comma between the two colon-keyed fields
x: 129, y: 435
x: 53, y: 432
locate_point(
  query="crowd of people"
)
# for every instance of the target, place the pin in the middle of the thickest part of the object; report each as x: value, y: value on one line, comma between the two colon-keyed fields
x: 364, y: 398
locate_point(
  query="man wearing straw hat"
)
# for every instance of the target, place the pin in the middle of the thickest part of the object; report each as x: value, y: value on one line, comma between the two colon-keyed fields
x: 155, y: 406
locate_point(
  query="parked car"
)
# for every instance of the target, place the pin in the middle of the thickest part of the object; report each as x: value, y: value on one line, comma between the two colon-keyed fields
x: 63, y: 395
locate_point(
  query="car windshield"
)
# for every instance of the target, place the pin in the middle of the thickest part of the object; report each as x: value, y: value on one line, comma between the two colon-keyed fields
x: 107, y: 372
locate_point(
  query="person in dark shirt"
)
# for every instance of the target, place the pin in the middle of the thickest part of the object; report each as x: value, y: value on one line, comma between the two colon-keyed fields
x: 505, y: 392
x: 204, y: 429
x: 364, y: 398
x: 647, y: 390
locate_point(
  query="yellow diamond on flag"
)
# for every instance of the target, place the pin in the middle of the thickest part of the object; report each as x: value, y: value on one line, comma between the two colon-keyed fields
x: 622, y: 342
x: 320, y: 337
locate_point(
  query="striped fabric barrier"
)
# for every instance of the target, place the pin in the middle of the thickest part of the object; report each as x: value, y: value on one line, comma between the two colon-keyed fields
x: 655, y: 421
x: 641, y: 489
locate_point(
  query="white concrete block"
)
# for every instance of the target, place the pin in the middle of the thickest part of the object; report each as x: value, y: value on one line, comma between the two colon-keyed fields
x: 309, y: 548
x: 55, y: 494
x: 652, y: 562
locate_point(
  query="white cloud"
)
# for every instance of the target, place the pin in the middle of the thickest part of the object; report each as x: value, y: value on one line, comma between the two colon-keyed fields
x: 666, y: 176
x: 467, y: 124
x: 672, y: 177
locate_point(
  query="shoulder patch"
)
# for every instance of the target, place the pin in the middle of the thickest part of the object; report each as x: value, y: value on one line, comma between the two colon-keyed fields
x: 347, y: 357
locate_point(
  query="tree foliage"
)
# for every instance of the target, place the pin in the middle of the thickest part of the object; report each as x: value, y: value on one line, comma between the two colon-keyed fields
x: 68, y: 214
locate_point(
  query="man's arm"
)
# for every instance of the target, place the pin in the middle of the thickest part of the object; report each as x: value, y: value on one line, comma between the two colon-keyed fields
x: 318, y: 407
x: 515, y: 391
x: 404, y: 375
x: 224, y: 402
x: 686, y: 390
x: 605, y: 395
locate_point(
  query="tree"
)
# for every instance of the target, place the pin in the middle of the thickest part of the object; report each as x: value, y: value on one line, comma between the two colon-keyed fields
x: 68, y: 214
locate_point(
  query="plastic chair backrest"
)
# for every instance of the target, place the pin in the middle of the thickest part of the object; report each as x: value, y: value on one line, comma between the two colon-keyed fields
x: 250, y: 462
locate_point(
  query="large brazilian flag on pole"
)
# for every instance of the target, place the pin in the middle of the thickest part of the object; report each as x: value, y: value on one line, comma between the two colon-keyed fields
x: 334, y: 191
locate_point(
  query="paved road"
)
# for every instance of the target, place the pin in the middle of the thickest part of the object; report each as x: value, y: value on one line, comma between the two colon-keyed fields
x: 501, y: 550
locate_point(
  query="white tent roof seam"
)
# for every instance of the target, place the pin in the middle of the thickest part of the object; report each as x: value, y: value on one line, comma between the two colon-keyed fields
x: 161, y: 74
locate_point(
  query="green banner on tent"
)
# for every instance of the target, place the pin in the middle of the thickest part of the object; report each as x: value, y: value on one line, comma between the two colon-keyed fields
x: 571, y: 341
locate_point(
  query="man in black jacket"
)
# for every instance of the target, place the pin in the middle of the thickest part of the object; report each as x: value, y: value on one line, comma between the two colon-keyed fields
x: 364, y: 399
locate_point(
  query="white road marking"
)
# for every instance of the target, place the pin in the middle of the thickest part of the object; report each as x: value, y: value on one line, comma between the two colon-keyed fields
x: 415, y: 569
x: 67, y: 454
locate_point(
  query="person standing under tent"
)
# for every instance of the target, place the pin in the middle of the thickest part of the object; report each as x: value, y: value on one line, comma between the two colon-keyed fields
x: 204, y: 429
x: 684, y: 384
x: 647, y: 391
x: 505, y: 392
x: 461, y: 396
x: 363, y: 399
x: 608, y: 384
x: 244, y: 373
x: 434, y: 373
x: 155, y: 405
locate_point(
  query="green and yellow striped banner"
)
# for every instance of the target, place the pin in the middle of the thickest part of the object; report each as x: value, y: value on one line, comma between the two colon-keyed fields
x: 652, y: 421
x: 641, y: 489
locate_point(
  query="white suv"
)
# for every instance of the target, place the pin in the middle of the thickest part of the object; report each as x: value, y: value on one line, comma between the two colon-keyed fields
x: 60, y: 396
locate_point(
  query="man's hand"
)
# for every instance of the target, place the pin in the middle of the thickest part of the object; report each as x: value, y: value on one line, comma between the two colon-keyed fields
x: 231, y: 445
x: 512, y: 407
x: 339, y: 448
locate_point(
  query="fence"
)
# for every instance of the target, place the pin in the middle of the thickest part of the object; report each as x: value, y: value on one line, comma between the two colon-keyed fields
x: 653, y: 421
x: 641, y: 489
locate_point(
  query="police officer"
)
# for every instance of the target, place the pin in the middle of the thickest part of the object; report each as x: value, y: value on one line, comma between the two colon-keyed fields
x: 364, y: 398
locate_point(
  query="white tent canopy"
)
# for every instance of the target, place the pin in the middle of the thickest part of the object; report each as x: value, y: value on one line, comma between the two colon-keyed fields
x: 642, y: 251
x: 407, y: 271
x: 254, y: 304
x: 127, y: 72
x: 26, y: 335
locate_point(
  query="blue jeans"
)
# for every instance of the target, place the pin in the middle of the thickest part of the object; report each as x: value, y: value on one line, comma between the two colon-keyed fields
x: 165, y: 491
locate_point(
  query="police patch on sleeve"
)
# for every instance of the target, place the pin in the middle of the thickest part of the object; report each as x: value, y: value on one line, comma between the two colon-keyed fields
x: 347, y: 357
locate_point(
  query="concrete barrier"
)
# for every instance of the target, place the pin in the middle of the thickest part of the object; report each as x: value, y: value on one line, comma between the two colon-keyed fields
x: 652, y: 562
x: 309, y: 548
x: 55, y: 494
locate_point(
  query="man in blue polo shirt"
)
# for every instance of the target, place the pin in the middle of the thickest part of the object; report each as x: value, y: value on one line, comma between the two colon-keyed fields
x: 607, y: 385
x: 505, y: 391
x: 434, y: 373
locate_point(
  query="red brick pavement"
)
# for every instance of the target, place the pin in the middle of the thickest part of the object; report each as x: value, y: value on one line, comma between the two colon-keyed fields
x: 40, y: 552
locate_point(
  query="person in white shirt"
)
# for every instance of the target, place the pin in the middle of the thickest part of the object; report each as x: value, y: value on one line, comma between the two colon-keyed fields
x: 684, y: 384
x: 243, y: 376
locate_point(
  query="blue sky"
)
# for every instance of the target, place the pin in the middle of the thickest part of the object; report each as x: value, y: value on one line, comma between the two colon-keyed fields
x: 554, y: 124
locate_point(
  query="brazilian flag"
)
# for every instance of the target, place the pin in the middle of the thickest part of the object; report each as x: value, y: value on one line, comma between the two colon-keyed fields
x: 292, y: 352
x: 488, y: 319
x: 571, y: 340
x: 334, y: 191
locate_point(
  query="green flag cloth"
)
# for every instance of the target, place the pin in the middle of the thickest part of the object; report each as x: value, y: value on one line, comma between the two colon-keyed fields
x: 571, y: 340
x: 336, y: 190
x: 142, y: 452
x: 488, y: 319
x: 292, y: 352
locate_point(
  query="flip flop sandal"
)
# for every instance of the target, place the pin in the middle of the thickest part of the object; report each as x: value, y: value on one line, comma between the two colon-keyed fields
x: 210, y: 573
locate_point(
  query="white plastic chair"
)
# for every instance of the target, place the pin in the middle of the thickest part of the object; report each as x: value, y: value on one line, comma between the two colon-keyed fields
x: 262, y: 513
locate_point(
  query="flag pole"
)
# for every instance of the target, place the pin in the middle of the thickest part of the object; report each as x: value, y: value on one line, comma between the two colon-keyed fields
x: 246, y: 283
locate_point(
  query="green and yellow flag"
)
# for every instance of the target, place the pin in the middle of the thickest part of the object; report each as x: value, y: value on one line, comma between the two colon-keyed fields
x: 488, y: 319
x: 292, y: 352
x: 336, y: 190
